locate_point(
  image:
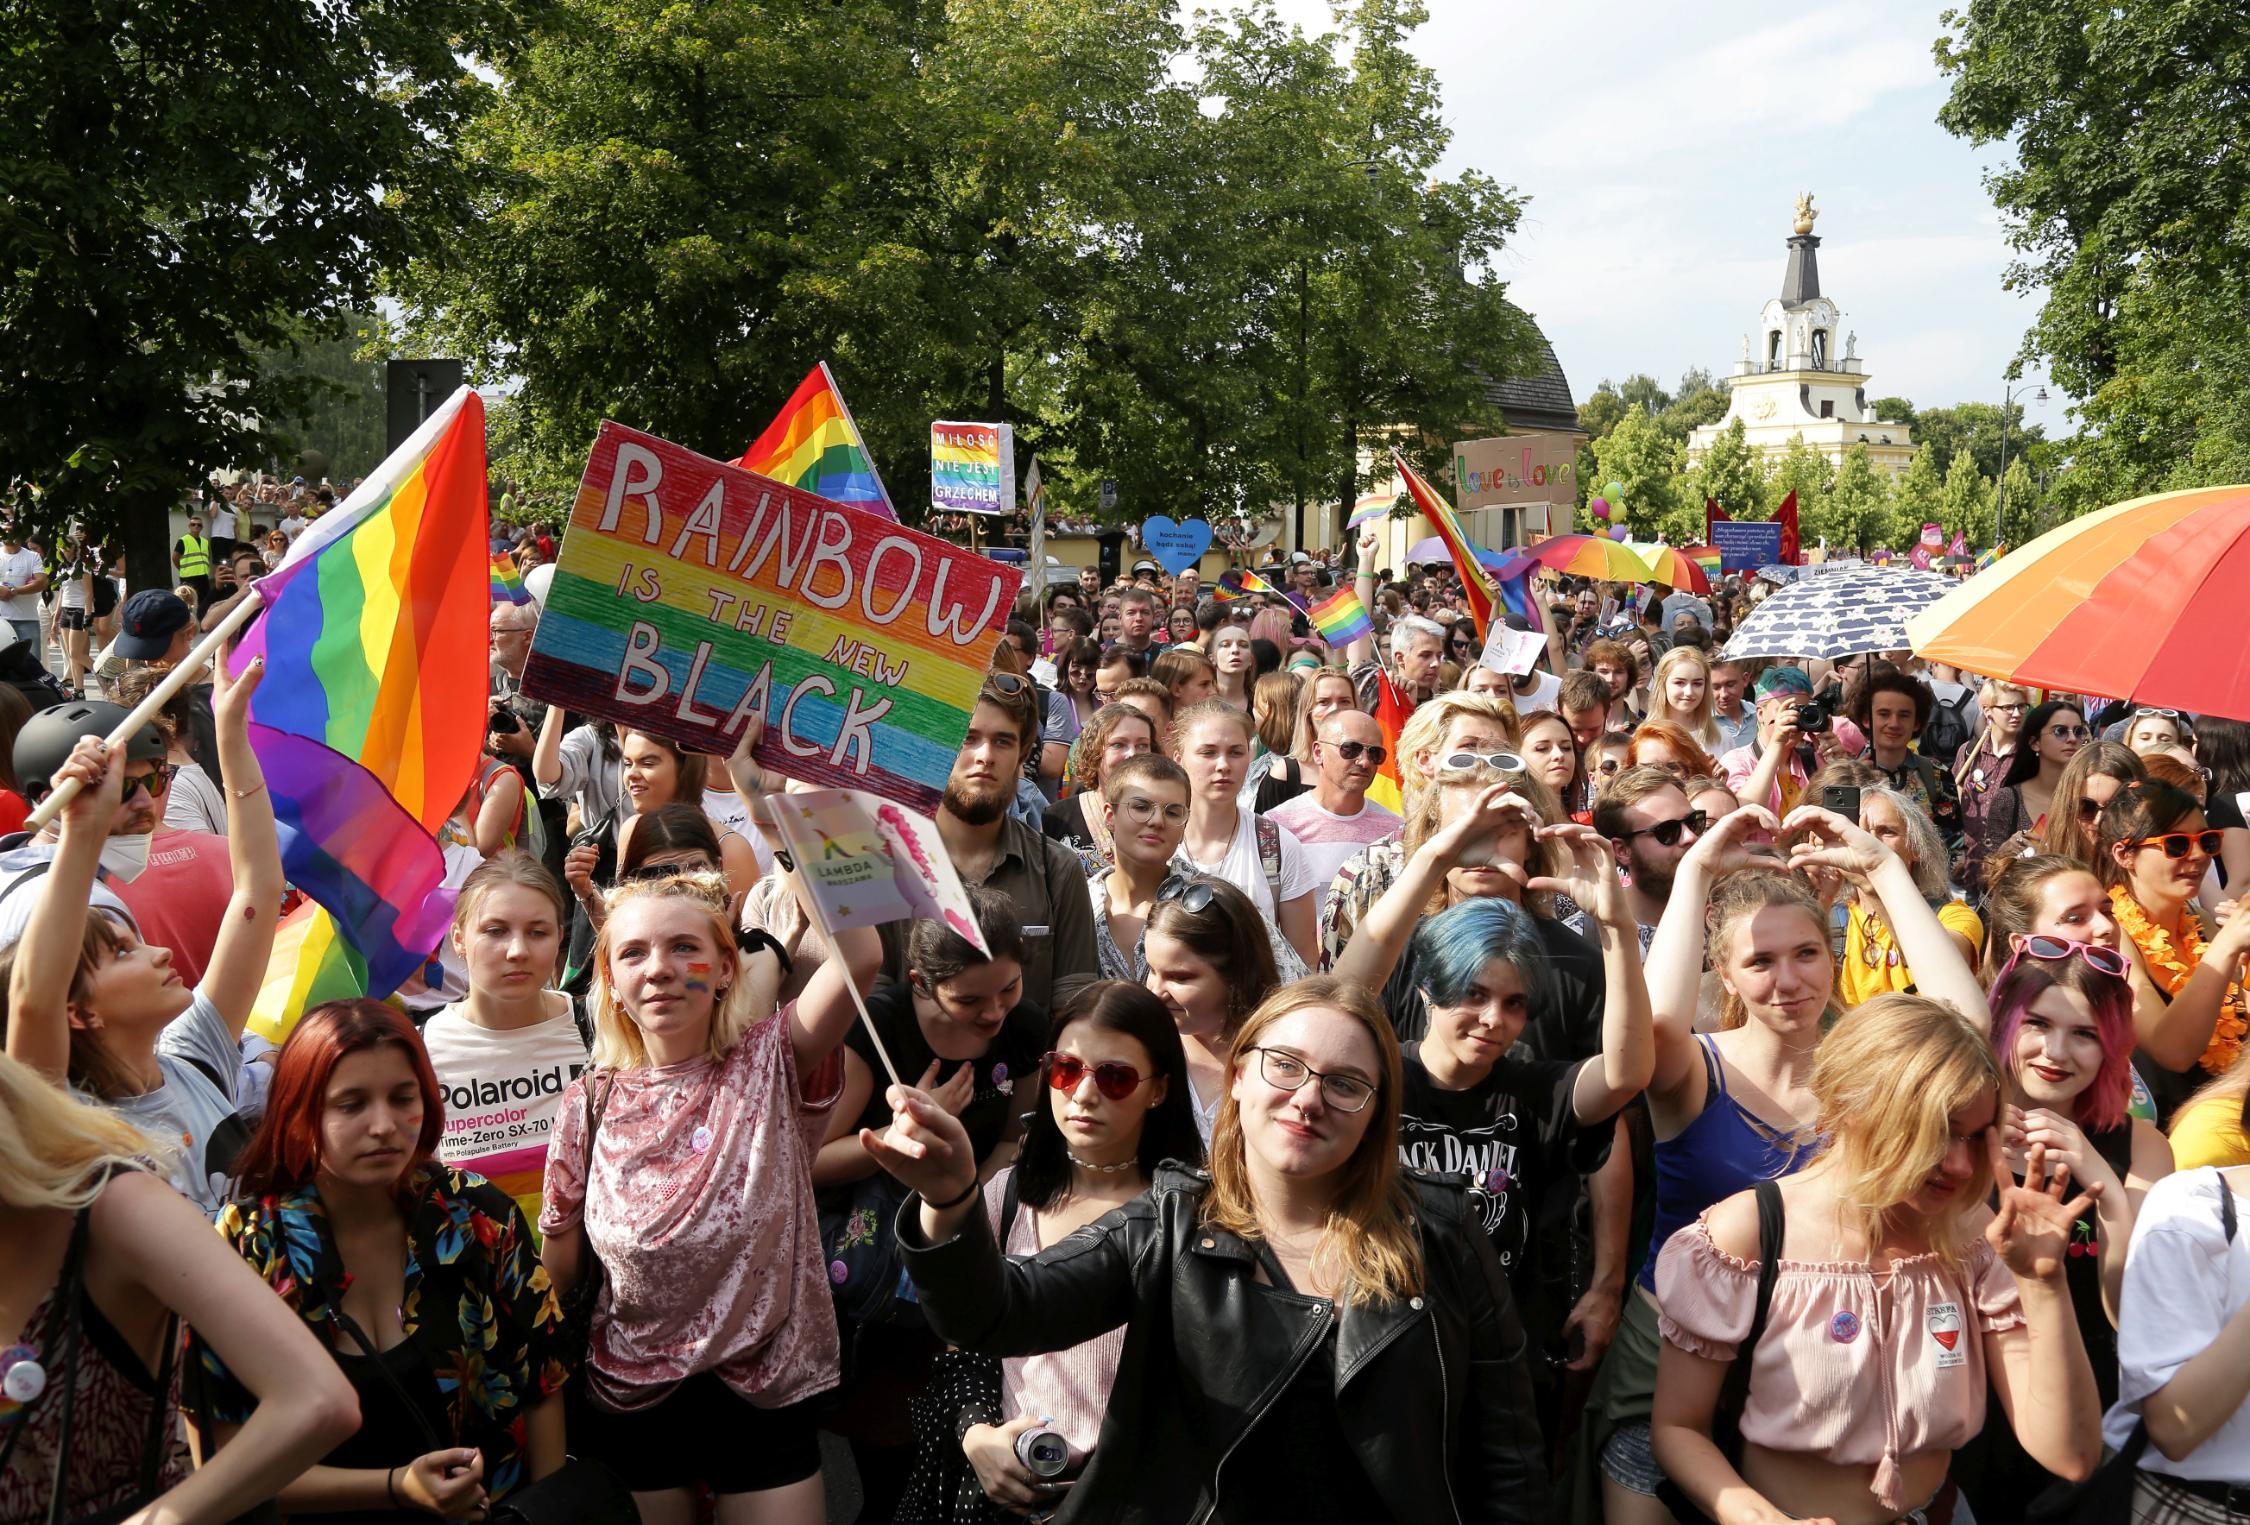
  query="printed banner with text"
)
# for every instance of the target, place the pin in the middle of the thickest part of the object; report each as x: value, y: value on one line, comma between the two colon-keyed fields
x: 691, y: 594
x: 972, y: 468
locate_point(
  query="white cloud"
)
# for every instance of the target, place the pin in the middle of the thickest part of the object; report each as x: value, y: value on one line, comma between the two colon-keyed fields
x: 1661, y: 148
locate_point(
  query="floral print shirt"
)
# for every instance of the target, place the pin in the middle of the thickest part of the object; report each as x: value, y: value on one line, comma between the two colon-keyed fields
x: 477, y: 1303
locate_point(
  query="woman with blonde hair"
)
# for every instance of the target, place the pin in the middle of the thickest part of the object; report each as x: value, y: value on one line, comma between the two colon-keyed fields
x: 1227, y: 841
x: 1311, y: 1333
x: 1679, y: 691
x: 1446, y: 725
x: 680, y: 1165
x: 104, y: 1261
x: 1893, y: 1293
x: 1729, y: 1109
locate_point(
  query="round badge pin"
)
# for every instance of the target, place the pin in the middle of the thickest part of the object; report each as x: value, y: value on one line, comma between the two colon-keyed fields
x: 25, y: 1378
x: 1844, y: 1327
x: 999, y: 1074
x: 838, y: 1272
x: 700, y: 1139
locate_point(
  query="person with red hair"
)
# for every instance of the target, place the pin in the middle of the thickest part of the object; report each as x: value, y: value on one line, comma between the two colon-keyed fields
x: 423, y: 1281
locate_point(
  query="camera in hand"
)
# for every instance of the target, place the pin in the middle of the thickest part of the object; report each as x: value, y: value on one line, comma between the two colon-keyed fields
x: 1813, y: 717
x: 1043, y: 1452
x: 503, y: 723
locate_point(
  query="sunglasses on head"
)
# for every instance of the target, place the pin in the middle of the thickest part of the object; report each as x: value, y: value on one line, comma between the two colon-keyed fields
x: 1667, y: 833
x: 2178, y: 844
x: 1194, y: 895
x: 1463, y: 762
x: 1112, y: 1078
x: 2051, y: 949
x: 1351, y: 751
x: 1007, y: 683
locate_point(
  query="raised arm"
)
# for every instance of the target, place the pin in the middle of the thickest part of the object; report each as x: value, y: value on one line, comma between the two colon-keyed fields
x: 47, y: 954
x: 245, y: 942
x: 546, y: 752
x: 1628, y: 1056
x: 1383, y: 932
x: 2039, y: 1368
x: 1933, y: 953
x: 1070, y: 1293
x: 1675, y: 959
x: 1363, y: 583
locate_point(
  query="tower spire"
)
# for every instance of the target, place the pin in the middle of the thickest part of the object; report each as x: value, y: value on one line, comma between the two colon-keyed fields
x: 1801, y: 282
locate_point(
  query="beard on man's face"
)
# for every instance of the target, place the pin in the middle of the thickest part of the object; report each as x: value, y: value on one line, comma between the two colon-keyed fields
x: 977, y: 804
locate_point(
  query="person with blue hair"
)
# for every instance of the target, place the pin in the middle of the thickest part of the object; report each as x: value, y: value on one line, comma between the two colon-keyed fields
x: 1518, y: 1125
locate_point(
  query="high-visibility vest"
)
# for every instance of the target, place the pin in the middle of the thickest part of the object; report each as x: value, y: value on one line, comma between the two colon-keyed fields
x: 195, y: 556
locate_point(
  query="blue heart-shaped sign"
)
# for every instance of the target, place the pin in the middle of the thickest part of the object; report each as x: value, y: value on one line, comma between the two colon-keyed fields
x: 1176, y: 547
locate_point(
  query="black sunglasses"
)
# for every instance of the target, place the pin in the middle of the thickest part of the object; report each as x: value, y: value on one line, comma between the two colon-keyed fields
x: 1695, y: 822
x: 1007, y: 683
x: 1194, y: 895
x: 1350, y: 751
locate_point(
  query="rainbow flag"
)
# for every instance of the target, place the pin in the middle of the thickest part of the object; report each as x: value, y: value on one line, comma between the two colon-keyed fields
x: 371, y: 717
x: 1376, y: 505
x: 1233, y: 584
x: 1391, y: 714
x: 812, y: 443
x: 1341, y: 618
x: 311, y: 963
x: 1991, y: 556
x: 507, y: 582
x: 1476, y: 582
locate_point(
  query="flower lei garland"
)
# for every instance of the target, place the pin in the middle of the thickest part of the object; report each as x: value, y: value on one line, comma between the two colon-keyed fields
x: 2170, y: 970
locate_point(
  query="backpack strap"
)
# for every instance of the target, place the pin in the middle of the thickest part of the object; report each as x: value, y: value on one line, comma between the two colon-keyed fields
x: 1269, y: 856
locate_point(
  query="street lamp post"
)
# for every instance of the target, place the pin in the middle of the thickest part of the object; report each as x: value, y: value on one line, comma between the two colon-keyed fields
x: 2000, y: 513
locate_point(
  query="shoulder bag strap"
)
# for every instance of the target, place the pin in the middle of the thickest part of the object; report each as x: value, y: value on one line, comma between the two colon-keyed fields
x: 588, y: 1265
x: 1772, y: 1220
x: 350, y: 1326
x: 2226, y: 1206
x: 69, y: 1287
x: 1008, y: 1206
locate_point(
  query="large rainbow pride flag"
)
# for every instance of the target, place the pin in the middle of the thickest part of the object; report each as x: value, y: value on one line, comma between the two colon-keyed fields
x: 1476, y: 580
x: 372, y: 714
x: 812, y: 443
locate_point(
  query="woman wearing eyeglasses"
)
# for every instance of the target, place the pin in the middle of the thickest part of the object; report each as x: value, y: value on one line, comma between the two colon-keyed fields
x: 2153, y: 845
x: 1981, y: 766
x: 2053, y: 733
x: 2062, y: 1026
x: 1116, y: 1108
x: 1310, y: 1333
x: 1116, y: 732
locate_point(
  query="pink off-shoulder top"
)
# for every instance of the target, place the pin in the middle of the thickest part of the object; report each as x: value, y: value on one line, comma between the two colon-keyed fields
x: 1858, y: 1369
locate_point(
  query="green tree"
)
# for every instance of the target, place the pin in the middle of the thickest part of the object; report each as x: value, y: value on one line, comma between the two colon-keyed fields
x: 1646, y: 462
x: 342, y: 428
x: 1696, y: 401
x: 1965, y: 501
x: 1731, y: 474
x: 1918, y: 500
x: 188, y: 189
x: 2026, y: 515
x: 1855, y: 514
x: 1802, y: 470
x: 2129, y: 165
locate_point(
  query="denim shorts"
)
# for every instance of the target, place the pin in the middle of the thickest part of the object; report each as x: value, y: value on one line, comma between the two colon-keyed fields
x: 1629, y: 1460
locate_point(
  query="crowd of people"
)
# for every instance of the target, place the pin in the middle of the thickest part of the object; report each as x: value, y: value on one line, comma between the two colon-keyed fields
x: 1655, y: 1086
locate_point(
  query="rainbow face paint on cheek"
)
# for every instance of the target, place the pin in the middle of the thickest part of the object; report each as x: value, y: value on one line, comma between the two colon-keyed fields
x: 699, y: 977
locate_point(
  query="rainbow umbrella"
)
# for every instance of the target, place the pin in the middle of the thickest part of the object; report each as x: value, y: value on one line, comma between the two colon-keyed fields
x: 1673, y: 568
x: 2142, y: 600
x: 1592, y: 556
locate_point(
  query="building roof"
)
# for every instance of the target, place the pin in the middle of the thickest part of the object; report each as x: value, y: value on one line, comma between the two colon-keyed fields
x: 1801, y: 283
x: 1540, y: 397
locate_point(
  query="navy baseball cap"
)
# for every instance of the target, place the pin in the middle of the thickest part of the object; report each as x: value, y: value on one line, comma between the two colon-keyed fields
x: 151, y: 618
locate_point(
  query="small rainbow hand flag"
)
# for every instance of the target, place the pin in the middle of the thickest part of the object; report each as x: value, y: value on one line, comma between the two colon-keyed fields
x: 1241, y: 585
x: 507, y: 582
x: 1341, y: 618
x: 1376, y: 505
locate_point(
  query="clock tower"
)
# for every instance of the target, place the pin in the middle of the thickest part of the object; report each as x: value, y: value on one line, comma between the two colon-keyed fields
x: 1800, y: 373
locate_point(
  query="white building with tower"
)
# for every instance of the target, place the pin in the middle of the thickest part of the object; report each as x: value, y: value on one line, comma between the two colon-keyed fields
x: 1800, y: 373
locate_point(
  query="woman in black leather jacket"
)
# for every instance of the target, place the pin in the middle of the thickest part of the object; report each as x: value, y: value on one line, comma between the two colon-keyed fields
x: 1311, y: 1332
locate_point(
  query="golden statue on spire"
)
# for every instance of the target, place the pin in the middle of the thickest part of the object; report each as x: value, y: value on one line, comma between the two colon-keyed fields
x: 1805, y: 211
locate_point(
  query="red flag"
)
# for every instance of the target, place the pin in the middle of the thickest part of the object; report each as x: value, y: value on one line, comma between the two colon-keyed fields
x: 1786, y: 517
x: 1391, y: 713
x: 1712, y: 514
x: 1960, y: 545
x: 1476, y: 584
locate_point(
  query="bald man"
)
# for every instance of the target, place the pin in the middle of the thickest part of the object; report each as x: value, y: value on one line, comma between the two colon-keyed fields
x: 1335, y: 819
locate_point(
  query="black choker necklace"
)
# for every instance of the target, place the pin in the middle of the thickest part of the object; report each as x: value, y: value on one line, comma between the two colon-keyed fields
x: 1101, y: 1170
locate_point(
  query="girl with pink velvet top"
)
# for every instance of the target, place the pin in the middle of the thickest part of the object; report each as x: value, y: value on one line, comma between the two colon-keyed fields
x: 716, y: 1330
x: 1897, y: 1292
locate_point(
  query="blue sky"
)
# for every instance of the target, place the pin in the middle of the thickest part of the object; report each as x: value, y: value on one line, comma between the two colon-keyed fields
x: 1662, y: 146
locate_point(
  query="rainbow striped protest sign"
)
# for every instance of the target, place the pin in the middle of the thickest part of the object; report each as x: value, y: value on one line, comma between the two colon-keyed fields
x: 690, y: 594
x: 972, y: 468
